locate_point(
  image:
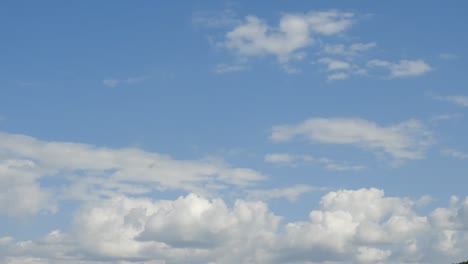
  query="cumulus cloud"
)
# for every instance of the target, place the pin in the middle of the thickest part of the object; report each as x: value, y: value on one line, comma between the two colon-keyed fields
x: 403, y: 68
x: 406, y: 140
x: 349, y: 226
x: 90, y: 172
x: 294, y: 160
x: 295, y: 31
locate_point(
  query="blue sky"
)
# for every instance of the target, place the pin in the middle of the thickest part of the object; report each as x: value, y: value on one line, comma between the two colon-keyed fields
x: 167, y: 132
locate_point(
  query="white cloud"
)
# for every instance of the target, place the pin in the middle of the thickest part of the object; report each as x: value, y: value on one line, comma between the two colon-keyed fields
x: 455, y: 153
x: 406, y: 140
x: 335, y: 65
x: 280, y: 158
x: 349, y: 226
x: 404, y: 68
x: 89, y: 172
x: 18, y: 187
x: 337, y: 76
x: 454, y: 99
x: 294, y: 32
x: 294, y: 160
x: 290, y: 193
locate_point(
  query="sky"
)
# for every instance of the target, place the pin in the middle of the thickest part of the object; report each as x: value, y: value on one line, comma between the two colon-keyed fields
x: 227, y: 132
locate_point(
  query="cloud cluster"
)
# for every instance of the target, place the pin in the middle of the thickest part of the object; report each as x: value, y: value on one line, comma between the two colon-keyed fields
x: 406, y: 140
x: 295, y: 31
x: 351, y: 226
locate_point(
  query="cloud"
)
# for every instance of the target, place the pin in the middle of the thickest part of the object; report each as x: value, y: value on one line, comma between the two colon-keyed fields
x: 444, y: 117
x: 349, y: 51
x: 406, y: 140
x: 448, y: 56
x: 295, y: 31
x: 348, y: 226
x: 404, y: 68
x: 18, y: 187
x: 90, y: 172
x: 112, y: 82
x: 294, y: 160
x: 454, y: 99
x: 455, y: 153
x: 334, y: 65
x: 290, y: 193
x: 337, y: 76
x: 226, y: 68
x: 216, y: 19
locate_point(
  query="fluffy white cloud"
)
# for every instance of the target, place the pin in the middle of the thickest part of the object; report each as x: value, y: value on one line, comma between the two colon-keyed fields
x: 89, y: 172
x: 189, y: 229
x: 294, y: 32
x: 403, y: 68
x: 350, y: 226
x: 406, y: 140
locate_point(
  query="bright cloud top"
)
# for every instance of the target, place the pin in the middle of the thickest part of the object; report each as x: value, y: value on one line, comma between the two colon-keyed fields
x: 358, y: 226
x: 406, y: 140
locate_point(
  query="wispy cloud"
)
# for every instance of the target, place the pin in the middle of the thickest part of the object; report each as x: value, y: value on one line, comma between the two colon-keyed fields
x: 406, y: 140
x: 226, y: 68
x: 455, y: 153
x: 460, y: 100
x: 448, y: 56
x: 444, y: 117
x: 348, y: 51
x: 113, y: 82
x: 295, y: 160
x: 290, y: 193
x: 216, y: 19
x: 403, y: 68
